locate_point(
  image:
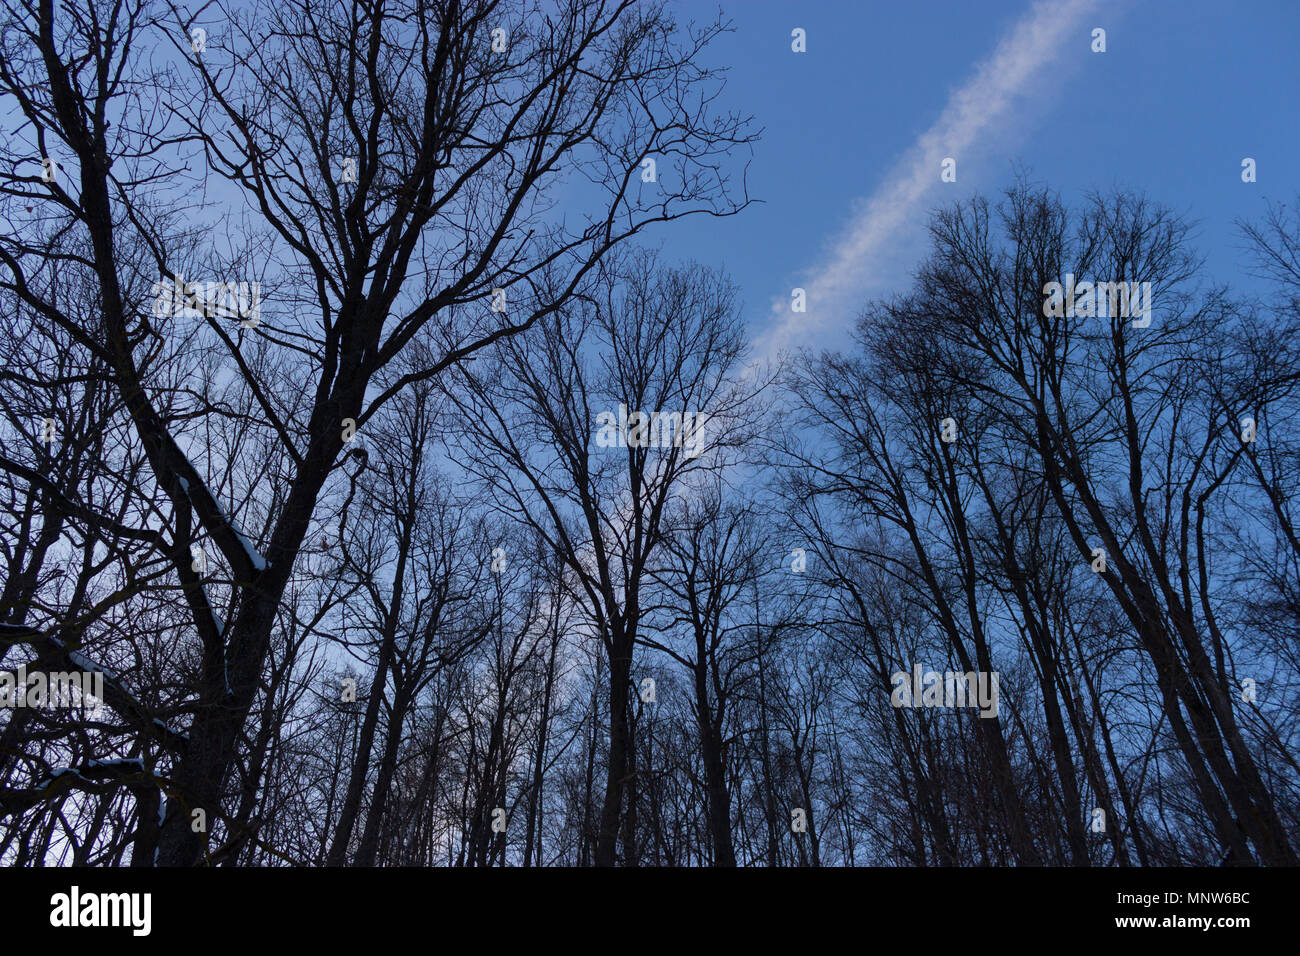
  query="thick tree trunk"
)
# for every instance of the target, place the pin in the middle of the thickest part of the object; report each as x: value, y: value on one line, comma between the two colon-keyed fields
x: 620, y: 678
x: 715, y: 775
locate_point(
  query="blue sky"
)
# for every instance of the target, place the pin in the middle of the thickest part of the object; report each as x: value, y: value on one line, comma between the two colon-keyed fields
x: 1184, y: 91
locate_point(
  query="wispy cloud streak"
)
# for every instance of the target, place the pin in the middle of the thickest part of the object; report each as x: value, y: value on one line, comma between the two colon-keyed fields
x: 979, y: 110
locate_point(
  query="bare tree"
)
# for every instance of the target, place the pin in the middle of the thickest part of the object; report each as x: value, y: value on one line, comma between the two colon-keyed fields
x: 646, y: 342
x: 394, y: 160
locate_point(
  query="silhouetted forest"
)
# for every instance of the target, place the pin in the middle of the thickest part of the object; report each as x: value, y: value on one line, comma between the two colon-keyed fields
x: 412, y: 504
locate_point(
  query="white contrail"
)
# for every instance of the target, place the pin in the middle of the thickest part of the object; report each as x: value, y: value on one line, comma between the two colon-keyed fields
x: 1018, y: 66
